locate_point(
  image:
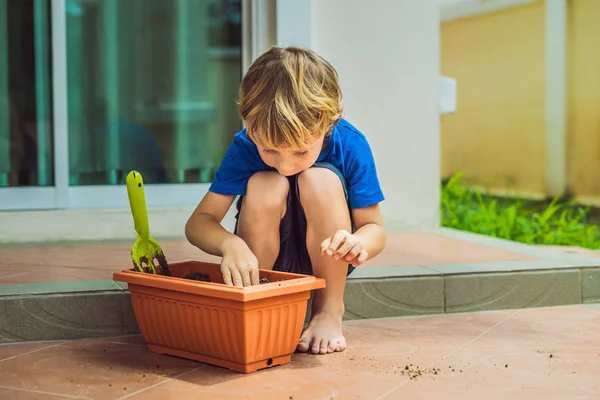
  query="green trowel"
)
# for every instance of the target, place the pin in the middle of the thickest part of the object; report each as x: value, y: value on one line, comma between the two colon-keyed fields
x: 146, y: 253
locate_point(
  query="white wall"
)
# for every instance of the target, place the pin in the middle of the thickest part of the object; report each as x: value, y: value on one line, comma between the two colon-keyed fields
x: 387, y: 55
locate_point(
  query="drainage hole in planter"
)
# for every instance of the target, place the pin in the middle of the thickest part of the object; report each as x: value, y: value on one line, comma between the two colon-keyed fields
x: 269, y: 362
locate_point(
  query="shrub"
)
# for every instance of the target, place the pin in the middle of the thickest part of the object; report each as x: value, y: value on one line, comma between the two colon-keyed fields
x: 562, y: 224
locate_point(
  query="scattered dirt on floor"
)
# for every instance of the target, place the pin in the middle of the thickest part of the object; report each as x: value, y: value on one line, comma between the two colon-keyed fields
x: 408, y: 369
x: 414, y: 372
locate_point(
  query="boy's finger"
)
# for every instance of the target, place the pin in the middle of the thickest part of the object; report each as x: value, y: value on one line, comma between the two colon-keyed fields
x: 245, y: 274
x: 236, y: 278
x: 348, y: 245
x: 354, y: 252
x: 325, y: 244
x: 254, y: 276
x: 336, y: 241
x: 362, y: 257
x: 227, y: 277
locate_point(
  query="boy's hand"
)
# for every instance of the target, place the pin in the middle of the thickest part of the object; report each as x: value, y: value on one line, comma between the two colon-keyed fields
x: 239, y: 265
x: 344, y: 245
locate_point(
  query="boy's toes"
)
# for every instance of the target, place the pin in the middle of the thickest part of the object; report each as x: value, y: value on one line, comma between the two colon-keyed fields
x: 318, y: 346
x: 304, y: 343
x: 337, y: 345
x: 324, y: 349
x: 332, y: 348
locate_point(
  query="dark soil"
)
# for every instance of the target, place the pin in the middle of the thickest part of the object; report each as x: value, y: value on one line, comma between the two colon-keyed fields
x: 415, y: 372
x: 161, y: 269
x: 144, y: 264
x: 199, y: 276
x: 164, y: 265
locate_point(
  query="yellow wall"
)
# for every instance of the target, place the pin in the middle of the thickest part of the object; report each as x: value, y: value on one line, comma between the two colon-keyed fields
x: 497, y: 136
x: 583, y: 140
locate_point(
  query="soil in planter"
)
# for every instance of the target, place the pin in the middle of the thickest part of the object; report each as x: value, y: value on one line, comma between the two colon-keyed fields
x: 199, y: 276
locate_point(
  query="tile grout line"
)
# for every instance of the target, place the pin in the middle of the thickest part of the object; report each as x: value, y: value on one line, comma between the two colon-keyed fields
x: 159, y: 383
x: 13, y: 275
x: 392, y: 390
x: 444, y: 294
x: 581, y: 296
x: 28, y: 352
x: 44, y: 392
x: 120, y: 343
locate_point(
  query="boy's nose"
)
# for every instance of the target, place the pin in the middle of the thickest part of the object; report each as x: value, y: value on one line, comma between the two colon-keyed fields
x: 284, y: 165
x: 286, y: 170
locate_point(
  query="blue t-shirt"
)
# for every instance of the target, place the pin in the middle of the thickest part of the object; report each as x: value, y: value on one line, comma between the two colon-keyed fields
x: 347, y: 149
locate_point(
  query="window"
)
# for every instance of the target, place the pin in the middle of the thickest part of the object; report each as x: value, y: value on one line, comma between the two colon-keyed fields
x: 152, y: 86
x: 91, y: 89
x: 26, y: 136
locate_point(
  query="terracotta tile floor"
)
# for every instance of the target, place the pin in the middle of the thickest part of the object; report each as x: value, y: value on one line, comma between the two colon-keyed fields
x: 67, y: 263
x: 550, y: 353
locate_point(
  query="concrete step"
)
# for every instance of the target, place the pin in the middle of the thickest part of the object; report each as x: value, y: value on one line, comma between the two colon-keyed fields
x: 92, y: 309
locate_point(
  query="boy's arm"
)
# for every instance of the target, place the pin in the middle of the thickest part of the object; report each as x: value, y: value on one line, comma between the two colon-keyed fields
x: 204, y: 230
x: 369, y: 229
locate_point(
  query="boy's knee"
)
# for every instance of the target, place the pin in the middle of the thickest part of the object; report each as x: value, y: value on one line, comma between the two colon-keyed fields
x: 320, y: 185
x: 267, y: 189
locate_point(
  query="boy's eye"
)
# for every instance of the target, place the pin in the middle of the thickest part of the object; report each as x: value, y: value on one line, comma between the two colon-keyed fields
x: 301, y: 153
x: 269, y: 151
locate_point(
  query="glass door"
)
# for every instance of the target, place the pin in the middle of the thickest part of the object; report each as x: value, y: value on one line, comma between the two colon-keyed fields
x: 117, y: 85
x: 152, y: 86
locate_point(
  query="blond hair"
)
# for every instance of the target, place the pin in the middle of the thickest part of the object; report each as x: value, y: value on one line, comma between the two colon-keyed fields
x: 289, y: 97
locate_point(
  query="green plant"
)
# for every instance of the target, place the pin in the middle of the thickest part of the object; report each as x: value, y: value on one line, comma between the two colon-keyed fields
x: 562, y: 224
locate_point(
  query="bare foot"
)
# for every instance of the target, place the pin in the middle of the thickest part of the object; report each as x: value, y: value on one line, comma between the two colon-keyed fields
x: 323, y: 335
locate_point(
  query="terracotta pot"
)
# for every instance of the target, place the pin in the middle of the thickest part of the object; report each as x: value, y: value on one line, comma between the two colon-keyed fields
x: 243, y: 329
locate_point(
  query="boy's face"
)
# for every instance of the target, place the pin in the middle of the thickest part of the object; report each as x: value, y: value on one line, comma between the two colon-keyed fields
x: 288, y: 161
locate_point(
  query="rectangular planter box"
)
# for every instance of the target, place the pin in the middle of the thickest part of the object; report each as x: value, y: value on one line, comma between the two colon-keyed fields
x: 243, y: 329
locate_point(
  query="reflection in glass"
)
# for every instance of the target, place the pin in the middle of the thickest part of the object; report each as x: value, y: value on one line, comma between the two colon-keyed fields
x: 26, y: 157
x: 152, y: 86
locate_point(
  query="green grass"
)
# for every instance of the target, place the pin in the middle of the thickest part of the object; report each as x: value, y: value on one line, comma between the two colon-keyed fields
x: 543, y: 223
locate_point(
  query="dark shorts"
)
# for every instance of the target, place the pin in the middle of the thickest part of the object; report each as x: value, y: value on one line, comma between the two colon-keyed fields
x: 293, y: 254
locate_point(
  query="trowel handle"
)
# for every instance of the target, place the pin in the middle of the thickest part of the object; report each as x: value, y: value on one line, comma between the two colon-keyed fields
x: 137, y: 203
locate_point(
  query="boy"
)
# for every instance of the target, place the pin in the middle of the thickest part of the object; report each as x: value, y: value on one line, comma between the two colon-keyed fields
x: 308, y: 184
